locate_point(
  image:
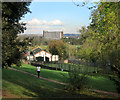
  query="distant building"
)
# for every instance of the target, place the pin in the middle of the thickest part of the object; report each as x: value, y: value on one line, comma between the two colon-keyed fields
x: 57, y: 35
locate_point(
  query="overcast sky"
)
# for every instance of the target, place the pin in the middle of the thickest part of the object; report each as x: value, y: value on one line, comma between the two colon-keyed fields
x: 65, y: 16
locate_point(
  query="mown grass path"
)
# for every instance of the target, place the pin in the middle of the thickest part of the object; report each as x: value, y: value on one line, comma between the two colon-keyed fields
x: 94, y: 90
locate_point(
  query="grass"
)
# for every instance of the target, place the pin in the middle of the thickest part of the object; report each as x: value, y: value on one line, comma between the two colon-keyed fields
x: 51, y: 74
x: 70, y: 66
x: 24, y: 86
x: 96, y: 81
x: 102, y: 83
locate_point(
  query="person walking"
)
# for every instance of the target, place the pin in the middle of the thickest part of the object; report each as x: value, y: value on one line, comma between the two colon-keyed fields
x: 38, y: 71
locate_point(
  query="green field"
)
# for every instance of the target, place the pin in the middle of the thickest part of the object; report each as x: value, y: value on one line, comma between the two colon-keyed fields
x: 23, y: 85
x: 96, y: 81
x: 60, y: 76
x: 18, y: 84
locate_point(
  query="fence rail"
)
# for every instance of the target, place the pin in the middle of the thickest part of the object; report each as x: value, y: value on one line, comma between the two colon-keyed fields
x: 73, y: 64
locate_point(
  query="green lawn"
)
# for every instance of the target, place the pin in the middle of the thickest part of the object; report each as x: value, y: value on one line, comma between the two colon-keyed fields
x: 60, y: 76
x: 22, y: 85
x: 102, y: 83
x: 96, y: 81
x: 70, y: 66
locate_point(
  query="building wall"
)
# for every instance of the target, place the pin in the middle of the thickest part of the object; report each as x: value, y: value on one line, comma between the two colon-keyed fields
x: 55, y: 58
x: 57, y: 35
x: 43, y: 54
x: 30, y: 58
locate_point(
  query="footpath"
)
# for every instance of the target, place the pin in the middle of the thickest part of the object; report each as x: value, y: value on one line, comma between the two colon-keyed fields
x: 94, y: 90
x: 37, y: 76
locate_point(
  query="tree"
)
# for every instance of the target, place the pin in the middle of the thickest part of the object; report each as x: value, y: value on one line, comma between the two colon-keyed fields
x: 58, y: 48
x: 106, y: 23
x: 11, y: 15
x: 77, y: 81
x: 102, y: 39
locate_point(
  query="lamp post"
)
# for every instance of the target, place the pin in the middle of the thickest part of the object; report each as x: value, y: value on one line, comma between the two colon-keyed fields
x: 29, y: 51
x: 69, y: 50
x: 76, y: 51
x: 62, y: 61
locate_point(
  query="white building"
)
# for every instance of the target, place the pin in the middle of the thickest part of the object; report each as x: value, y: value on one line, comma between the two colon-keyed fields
x: 41, y: 55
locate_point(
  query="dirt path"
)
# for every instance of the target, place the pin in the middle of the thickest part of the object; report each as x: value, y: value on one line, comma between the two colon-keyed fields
x: 106, y: 92
x: 37, y: 76
x: 94, y: 90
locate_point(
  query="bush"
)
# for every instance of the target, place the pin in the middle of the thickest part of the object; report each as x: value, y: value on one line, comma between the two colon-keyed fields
x: 76, y: 80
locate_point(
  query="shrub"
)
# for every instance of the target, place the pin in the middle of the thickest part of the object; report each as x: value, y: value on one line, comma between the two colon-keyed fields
x: 76, y: 80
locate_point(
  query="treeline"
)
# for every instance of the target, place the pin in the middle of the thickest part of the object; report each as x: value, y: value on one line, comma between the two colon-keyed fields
x: 36, y: 39
x: 101, y: 39
x: 39, y: 40
x: 63, y: 47
x: 99, y: 42
x: 72, y: 40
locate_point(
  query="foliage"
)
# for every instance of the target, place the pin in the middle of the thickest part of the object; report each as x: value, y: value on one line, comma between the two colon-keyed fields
x: 58, y: 48
x: 101, y: 40
x: 11, y: 15
x: 84, y: 34
x: 105, y: 22
x: 76, y: 80
x: 72, y: 40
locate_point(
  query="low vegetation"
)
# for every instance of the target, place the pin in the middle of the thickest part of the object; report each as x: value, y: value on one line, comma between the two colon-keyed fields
x: 77, y: 81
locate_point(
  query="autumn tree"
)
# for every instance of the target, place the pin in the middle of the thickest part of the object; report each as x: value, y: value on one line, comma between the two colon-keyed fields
x: 58, y: 48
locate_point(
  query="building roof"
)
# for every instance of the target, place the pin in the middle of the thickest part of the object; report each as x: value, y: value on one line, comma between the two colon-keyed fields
x: 36, y: 50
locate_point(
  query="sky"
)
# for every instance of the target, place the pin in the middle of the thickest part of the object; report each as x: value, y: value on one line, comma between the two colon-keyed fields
x: 56, y: 16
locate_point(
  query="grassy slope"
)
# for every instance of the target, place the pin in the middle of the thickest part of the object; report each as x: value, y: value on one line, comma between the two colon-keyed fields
x: 51, y: 74
x: 23, y: 85
x: 96, y: 82
x: 102, y: 83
